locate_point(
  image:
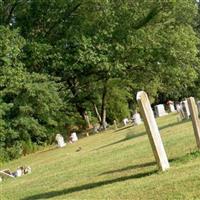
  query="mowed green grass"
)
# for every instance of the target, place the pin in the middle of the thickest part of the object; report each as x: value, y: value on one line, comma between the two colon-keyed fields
x: 112, y: 165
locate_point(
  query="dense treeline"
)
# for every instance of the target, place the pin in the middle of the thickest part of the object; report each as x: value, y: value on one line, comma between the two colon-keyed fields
x: 62, y: 59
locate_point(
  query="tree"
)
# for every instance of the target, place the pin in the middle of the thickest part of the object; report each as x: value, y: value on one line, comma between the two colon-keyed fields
x: 32, y: 107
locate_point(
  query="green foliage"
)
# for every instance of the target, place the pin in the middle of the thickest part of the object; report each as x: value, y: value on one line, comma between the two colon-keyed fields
x: 70, y: 57
x: 31, y: 104
x: 33, y: 108
x: 11, y: 44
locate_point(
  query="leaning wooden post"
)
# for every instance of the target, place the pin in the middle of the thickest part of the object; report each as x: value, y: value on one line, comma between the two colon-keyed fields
x: 195, y: 119
x: 152, y: 131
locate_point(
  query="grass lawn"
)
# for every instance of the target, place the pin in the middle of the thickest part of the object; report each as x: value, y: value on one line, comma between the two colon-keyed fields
x: 112, y: 165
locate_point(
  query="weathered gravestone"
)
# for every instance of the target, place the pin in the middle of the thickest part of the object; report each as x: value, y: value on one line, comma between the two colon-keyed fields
x: 115, y: 124
x: 195, y: 119
x: 152, y: 131
x: 73, y: 137
x: 185, y: 109
x: 125, y: 121
x: 171, y: 107
x: 179, y: 109
x: 137, y: 119
x: 160, y: 110
x: 60, y: 140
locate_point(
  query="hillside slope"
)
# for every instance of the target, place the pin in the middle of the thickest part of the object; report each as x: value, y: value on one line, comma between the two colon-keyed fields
x: 112, y: 165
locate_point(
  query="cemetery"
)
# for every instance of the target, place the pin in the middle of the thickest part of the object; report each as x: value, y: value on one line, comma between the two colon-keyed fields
x: 87, y: 169
x: 99, y: 99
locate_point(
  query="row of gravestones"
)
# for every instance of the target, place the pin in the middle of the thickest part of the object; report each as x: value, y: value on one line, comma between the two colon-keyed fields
x: 60, y: 140
x: 182, y: 108
x: 153, y: 131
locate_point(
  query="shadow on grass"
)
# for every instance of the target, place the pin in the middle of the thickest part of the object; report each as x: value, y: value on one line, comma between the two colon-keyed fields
x: 88, y: 186
x: 187, y: 157
x: 141, y: 134
x: 130, y: 167
x: 124, y: 128
x: 122, y: 140
x: 173, y: 124
x: 190, y: 156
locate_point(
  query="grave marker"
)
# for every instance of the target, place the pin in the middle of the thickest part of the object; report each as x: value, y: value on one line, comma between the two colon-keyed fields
x: 137, y: 119
x: 160, y: 110
x: 172, y: 108
x: 152, y: 131
x: 185, y: 109
x: 60, y: 140
x: 115, y: 124
x: 195, y: 119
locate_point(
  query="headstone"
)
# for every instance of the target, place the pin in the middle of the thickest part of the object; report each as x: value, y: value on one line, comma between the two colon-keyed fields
x: 73, y: 137
x: 179, y: 109
x: 160, y: 110
x: 125, y: 121
x: 152, y: 131
x: 185, y: 109
x: 195, y: 119
x: 60, y: 140
x: 87, y: 134
x: 137, y: 119
x: 96, y: 128
x: 115, y: 124
x: 171, y: 108
x: 87, y: 120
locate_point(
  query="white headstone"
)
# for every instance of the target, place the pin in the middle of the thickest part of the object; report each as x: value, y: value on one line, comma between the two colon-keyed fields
x: 60, y: 140
x: 137, y: 119
x: 152, y: 130
x: 179, y: 109
x: 171, y: 107
x: 125, y: 121
x: 74, y: 137
x: 160, y: 110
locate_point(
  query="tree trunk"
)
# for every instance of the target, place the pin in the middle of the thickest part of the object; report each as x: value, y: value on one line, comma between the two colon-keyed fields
x: 103, y: 108
x: 97, y: 112
x: 72, y: 85
x: 104, y: 123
